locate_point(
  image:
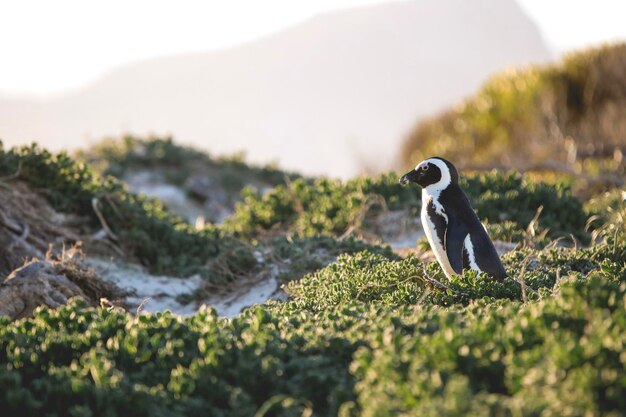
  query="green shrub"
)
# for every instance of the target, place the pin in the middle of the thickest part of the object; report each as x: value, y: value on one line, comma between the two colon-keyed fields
x: 370, y: 334
x: 561, y: 354
x: 69, y: 186
x: 161, y: 241
x: 499, y: 198
x: 320, y: 206
x: 331, y: 207
x: 366, y: 277
x: 120, y: 156
x: 300, y: 256
x: 75, y: 360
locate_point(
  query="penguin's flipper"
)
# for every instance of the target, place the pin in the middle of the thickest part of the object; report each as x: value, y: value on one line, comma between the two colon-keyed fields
x: 455, y: 236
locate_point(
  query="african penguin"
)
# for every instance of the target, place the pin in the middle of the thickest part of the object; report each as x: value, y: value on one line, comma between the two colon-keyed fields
x: 452, y: 228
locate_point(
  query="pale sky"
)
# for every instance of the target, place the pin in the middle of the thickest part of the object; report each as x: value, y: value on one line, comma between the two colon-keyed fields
x: 47, y: 47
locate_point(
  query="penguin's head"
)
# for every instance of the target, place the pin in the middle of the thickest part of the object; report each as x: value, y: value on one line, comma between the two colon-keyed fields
x: 434, y: 173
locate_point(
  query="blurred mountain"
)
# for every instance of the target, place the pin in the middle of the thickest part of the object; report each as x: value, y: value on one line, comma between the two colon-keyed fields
x: 333, y: 95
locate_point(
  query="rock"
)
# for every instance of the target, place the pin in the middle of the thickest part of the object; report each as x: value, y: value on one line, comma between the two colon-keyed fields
x: 31, y: 228
x: 52, y: 283
x: 14, y: 251
x: 217, y: 203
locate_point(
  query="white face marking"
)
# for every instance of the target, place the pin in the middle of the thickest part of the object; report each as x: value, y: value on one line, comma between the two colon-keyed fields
x: 436, y: 188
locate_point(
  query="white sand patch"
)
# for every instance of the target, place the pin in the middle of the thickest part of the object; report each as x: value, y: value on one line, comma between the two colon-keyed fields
x: 234, y: 302
x: 165, y: 192
x: 156, y: 292
x: 400, y: 228
x: 504, y: 247
x: 406, y: 240
x: 175, y: 198
x: 152, y: 185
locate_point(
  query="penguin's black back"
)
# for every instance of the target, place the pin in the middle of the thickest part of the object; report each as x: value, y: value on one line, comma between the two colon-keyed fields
x: 457, y: 206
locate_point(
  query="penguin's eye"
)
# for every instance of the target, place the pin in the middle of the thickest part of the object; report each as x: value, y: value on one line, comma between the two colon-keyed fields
x: 425, y: 168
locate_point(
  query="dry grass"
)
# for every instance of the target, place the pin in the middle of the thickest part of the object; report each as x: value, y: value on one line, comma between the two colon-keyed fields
x: 568, y: 118
x: 29, y: 227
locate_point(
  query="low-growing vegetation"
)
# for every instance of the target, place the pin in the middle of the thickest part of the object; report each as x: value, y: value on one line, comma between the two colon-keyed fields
x: 561, y: 354
x: 334, y: 207
x: 160, y: 240
x: 147, y: 231
x: 363, y: 332
x: 371, y: 334
x: 608, y: 214
x: 190, y: 183
x: 311, y: 207
x: 119, y: 156
x: 374, y: 278
x: 321, y: 206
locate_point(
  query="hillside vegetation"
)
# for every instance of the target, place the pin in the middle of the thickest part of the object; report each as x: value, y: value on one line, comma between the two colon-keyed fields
x: 568, y: 118
x: 367, y: 336
x: 394, y: 344
x: 507, y: 202
x: 371, y: 334
x: 278, y: 203
x: 209, y: 186
x: 141, y: 228
x: 118, y: 156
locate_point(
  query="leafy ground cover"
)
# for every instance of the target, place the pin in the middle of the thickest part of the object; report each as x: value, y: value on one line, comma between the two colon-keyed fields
x: 160, y: 240
x: 367, y: 277
x: 309, y: 207
x: 334, y: 207
x: 305, y: 207
x: 371, y: 334
x: 147, y: 231
x: 559, y: 354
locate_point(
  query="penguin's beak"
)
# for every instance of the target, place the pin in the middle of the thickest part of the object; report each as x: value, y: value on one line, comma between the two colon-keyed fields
x: 408, y: 177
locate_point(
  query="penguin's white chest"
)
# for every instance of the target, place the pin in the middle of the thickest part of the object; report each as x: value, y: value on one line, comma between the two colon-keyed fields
x: 431, y: 208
